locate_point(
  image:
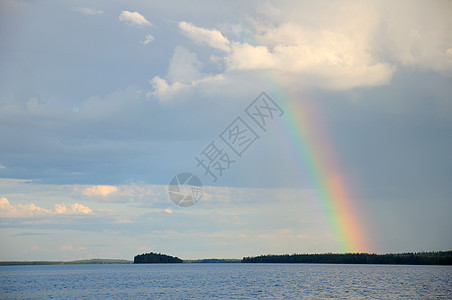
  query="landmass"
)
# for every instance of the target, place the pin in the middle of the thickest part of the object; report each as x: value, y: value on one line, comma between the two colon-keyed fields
x: 154, y: 258
x: 213, y: 261
x: 420, y: 258
x: 74, y: 262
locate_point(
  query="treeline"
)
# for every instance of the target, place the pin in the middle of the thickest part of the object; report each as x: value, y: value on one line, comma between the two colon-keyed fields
x: 154, y: 258
x: 31, y: 263
x: 75, y: 262
x: 421, y: 258
x: 213, y: 261
x: 99, y: 261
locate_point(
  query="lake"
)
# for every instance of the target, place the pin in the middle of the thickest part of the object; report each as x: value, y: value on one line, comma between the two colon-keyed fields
x: 239, y: 281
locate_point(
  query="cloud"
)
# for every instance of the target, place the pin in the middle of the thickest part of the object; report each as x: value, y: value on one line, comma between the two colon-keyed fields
x: 168, y: 210
x: 148, y: 38
x: 2, y: 166
x: 328, y: 57
x: 247, y: 57
x: 99, y: 190
x: 31, y: 210
x: 184, y: 66
x: 88, y: 11
x: 72, y: 209
x: 138, y: 193
x: 162, y: 90
x: 213, y: 38
x: 421, y: 37
x: 337, y: 46
x: 184, y: 71
x: 133, y: 18
x: 21, y: 211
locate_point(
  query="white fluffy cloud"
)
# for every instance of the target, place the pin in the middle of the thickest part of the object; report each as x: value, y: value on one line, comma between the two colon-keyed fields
x: 332, y: 59
x: 247, y: 57
x: 72, y: 209
x: 99, y: 190
x: 133, y: 18
x: 30, y: 210
x: 8, y: 210
x: 210, y: 37
x: 162, y: 90
x: 331, y: 45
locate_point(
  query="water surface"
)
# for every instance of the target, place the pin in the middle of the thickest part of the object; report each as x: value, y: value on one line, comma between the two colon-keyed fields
x: 240, y: 281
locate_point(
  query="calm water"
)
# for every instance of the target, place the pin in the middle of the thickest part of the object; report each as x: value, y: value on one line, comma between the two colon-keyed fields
x: 239, y: 281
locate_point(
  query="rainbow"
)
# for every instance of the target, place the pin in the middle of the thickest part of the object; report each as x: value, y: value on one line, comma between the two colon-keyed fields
x: 315, y: 164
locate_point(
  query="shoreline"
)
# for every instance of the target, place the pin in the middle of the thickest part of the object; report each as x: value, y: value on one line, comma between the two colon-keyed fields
x: 420, y: 258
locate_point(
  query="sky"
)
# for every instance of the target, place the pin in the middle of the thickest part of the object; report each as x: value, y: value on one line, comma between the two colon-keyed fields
x: 103, y: 103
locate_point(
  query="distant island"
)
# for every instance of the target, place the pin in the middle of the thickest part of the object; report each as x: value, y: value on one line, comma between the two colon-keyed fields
x: 421, y: 258
x: 154, y: 258
x: 94, y: 261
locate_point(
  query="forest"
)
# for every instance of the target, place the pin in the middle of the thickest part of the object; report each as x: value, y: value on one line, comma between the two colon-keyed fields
x: 154, y: 258
x: 420, y: 258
